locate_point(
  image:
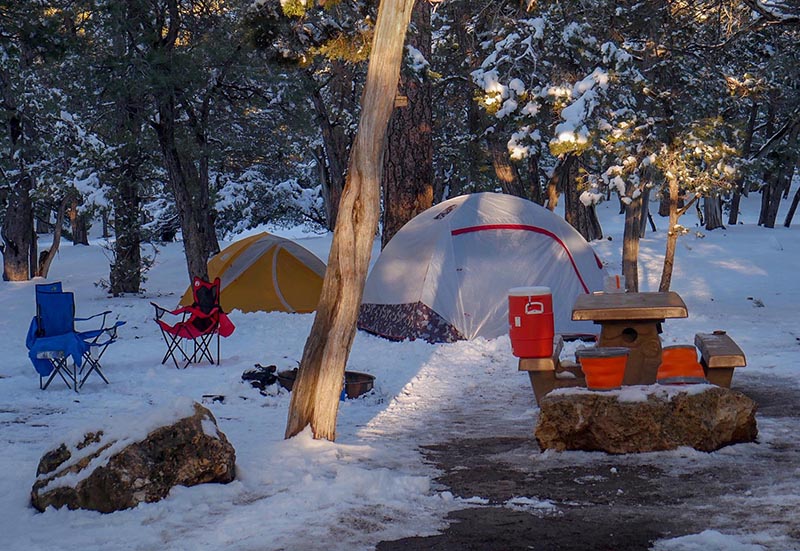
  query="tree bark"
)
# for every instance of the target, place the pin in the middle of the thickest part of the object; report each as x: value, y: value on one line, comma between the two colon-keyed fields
x: 18, y: 231
x: 582, y: 218
x: 787, y: 222
x: 676, y: 210
x: 46, y: 258
x: 335, y: 145
x: 630, y: 244
x: 535, y: 192
x: 78, y: 224
x: 191, y: 194
x: 733, y: 216
x: 315, y: 396
x: 408, y: 159
x: 712, y: 212
x: 126, y: 271
x: 505, y: 171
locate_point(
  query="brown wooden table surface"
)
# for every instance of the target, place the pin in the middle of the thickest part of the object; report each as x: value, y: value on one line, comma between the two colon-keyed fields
x: 628, y: 306
x: 632, y: 320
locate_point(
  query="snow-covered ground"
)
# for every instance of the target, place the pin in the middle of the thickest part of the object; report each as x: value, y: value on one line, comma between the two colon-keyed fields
x: 371, y: 484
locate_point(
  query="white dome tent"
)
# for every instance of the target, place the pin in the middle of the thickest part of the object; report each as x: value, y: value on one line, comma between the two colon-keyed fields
x: 445, y: 275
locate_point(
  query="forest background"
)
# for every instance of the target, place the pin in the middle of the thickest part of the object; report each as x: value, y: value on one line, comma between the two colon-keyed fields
x: 201, y: 119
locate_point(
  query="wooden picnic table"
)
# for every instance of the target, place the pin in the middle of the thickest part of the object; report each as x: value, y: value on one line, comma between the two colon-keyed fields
x: 632, y: 320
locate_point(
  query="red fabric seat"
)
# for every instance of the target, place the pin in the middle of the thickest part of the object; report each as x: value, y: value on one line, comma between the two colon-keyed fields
x: 198, y: 325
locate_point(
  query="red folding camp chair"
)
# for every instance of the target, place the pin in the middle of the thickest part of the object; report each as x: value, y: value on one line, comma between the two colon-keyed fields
x: 192, y: 335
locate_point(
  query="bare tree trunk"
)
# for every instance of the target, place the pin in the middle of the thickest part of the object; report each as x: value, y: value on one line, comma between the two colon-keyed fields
x: 645, y: 211
x: 78, y: 224
x: 733, y: 216
x: 676, y: 210
x: 787, y: 222
x: 315, y: 396
x: 191, y: 193
x: 408, y: 159
x: 535, y: 191
x: 582, y: 218
x: 553, y: 191
x: 126, y: 272
x: 630, y: 244
x: 46, y: 258
x: 18, y: 231
x: 335, y: 145
x: 712, y: 212
x: 504, y: 170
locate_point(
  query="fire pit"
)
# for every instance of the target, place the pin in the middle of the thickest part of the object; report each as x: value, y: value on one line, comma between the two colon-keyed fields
x: 356, y: 383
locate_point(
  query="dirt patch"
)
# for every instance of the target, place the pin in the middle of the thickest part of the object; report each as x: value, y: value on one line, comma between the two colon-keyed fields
x: 596, y: 501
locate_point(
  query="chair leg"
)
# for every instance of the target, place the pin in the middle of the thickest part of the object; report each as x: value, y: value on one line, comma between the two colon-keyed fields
x: 94, y: 365
x: 61, y: 369
x: 173, y: 344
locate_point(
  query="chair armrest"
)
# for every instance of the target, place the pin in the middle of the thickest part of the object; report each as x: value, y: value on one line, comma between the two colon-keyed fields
x: 104, y: 314
x: 160, y: 310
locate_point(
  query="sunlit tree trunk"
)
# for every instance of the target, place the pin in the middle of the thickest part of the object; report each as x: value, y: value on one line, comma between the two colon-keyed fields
x: 675, y: 212
x: 315, y: 395
x: 46, y: 258
x: 630, y: 244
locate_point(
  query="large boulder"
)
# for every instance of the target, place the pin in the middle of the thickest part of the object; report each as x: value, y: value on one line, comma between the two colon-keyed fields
x: 645, y: 419
x: 120, y: 467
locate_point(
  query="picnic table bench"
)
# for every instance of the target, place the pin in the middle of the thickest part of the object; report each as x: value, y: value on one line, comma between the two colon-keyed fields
x: 720, y: 355
x: 549, y: 373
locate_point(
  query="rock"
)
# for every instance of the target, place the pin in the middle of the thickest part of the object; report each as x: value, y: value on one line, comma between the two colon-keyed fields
x: 106, y: 473
x: 646, y: 418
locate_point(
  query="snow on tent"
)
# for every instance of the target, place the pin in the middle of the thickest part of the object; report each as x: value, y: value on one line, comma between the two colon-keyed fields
x: 445, y: 275
x: 267, y: 273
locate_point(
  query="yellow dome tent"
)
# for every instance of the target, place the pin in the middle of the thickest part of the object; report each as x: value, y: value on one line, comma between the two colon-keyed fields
x: 267, y: 273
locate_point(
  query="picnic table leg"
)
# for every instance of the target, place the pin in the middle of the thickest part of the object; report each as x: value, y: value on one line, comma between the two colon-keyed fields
x: 641, y: 337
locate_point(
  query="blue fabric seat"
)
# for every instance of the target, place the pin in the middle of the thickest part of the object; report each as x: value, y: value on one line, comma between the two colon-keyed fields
x: 52, y: 339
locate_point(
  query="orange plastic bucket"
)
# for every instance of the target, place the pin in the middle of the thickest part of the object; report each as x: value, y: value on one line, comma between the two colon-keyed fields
x: 604, y: 367
x: 530, y: 321
x: 679, y: 365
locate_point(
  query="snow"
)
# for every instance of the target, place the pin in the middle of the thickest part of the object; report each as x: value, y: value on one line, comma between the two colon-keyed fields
x: 372, y: 483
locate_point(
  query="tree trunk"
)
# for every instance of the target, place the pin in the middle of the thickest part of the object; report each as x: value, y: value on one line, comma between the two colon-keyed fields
x: 78, y: 224
x: 553, y: 191
x: 126, y: 271
x: 408, y: 158
x: 645, y: 211
x: 191, y: 193
x: 504, y: 170
x: 535, y: 192
x: 712, y: 212
x: 46, y: 258
x: 18, y: 231
x: 630, y: 244
x: 790, y: 215
x: 582, y: 218
x: 733, y: 216
x: 335, y: 145
x: 672, y: 237
x: 315, y: 396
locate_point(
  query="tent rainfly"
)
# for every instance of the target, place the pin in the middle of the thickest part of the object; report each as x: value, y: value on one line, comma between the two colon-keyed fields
x: 445, y: 275
x: 267, y: 273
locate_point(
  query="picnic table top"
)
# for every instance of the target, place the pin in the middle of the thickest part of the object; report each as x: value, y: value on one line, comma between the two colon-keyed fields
x: 629, y: 306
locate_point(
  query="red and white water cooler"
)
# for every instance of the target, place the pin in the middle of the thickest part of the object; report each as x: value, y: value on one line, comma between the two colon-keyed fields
x: 530, y: 320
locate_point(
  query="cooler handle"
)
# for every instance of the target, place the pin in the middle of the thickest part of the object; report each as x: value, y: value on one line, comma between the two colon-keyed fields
x: 534, y: 308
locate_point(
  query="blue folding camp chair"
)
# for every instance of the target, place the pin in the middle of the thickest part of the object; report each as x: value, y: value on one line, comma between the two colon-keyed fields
x: 52, y: 339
